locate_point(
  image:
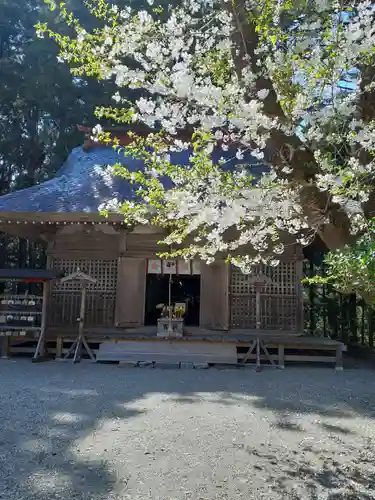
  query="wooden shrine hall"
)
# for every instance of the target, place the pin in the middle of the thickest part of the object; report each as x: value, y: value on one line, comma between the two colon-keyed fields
x: 138, y: 307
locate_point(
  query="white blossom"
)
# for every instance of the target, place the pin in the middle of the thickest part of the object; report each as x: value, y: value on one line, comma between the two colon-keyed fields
x: 186, y: 62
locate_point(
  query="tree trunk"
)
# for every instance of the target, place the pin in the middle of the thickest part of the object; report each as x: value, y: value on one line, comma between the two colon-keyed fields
x: 282, y: 149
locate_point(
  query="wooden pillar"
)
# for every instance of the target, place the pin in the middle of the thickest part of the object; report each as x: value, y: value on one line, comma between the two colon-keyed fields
x: 214, y: 299
x: 59, y: 347
x: 281, y: 356
x: 5, y: 347
x: 339, y: 358
x: 41, y: 346
x: 131, y: 292
x: 81, y: 324
x: 299, y: 297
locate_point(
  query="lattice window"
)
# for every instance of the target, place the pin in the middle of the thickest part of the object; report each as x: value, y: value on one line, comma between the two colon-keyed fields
x: 280, y: 302
x: 283, y: 279
x: 243, y: 312
x: 100, y: 299
x: 278, y: 313
x: 105, y: 273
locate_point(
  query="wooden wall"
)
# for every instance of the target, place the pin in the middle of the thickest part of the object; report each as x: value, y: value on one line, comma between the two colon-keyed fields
x: 85, y: 245
x: 131, y: 292
x: 214, y: 299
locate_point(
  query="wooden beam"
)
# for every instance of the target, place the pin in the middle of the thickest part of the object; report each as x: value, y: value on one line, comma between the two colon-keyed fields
x: 27, y: 231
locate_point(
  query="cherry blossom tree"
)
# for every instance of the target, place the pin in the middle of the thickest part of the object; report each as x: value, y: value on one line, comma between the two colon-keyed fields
x: 289, y: 84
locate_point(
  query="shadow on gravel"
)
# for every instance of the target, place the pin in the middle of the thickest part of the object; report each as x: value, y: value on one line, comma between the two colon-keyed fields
x: 337, y: 429
x: 39, y: 427
x: 46, y: 409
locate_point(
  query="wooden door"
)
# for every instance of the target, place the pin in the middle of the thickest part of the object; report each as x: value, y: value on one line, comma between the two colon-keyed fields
x: 131, y: 289
x: 214, y: 310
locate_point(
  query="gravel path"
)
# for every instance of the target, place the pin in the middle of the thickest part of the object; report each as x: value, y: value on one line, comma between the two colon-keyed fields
x: 106, y: 432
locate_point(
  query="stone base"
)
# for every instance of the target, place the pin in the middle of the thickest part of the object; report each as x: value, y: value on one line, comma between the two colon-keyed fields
x: 163, y: 327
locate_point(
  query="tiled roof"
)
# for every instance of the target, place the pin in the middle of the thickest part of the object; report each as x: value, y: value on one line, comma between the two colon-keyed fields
x: 83, y: 183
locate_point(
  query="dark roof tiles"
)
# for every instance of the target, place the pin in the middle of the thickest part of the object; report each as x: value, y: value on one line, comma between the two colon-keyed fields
x: 83, y: 183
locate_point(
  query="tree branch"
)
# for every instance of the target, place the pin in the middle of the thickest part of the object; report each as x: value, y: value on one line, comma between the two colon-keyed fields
x: 316, y: 204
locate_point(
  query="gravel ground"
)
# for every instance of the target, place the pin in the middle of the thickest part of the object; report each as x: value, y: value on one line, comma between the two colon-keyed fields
x: 114, y: 433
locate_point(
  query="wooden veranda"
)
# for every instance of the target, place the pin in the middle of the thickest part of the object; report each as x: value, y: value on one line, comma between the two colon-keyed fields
x: 196, y: 346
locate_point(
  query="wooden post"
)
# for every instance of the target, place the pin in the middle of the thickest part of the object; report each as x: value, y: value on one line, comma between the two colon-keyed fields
x: 249, y: 352
x: 5, y: 347
x: 41, y: 346
x: 258, y: 367
x: 339, y: 359
x: 281, y: 356
x: 312, y: 324
x: 257, y: 306
x: 170, y: 329
x: 76, y: 348
x: 299, y: 294
x: 324, y: 288
x: 59, y: 347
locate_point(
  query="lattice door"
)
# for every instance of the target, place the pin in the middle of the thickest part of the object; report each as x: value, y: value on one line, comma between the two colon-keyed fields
x: 101, y: 296
x: 280, y: 300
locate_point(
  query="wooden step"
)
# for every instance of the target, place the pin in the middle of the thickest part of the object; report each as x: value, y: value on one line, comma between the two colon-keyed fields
x: 168, y: 352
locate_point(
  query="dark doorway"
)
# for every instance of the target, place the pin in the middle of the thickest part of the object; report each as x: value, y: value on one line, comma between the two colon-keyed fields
x: 185, y: 288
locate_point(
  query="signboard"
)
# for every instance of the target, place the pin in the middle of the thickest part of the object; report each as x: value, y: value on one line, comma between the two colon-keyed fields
x: 184, y: 267
x: 180, y: 267
x: 154, y: 266
x: 169, y: 267
x: 196, y: 267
